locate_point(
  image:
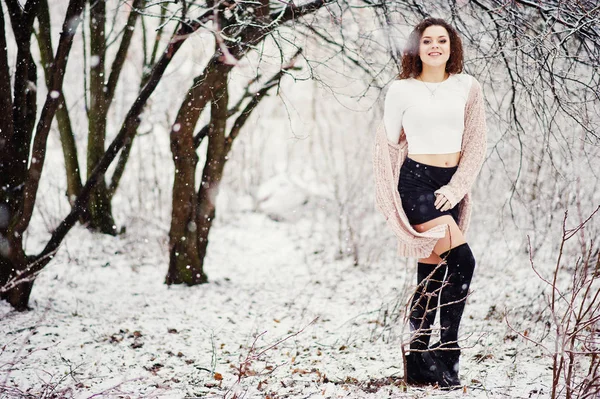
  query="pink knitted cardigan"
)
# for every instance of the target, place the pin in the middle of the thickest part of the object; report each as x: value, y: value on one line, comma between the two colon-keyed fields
x: 388, y: 158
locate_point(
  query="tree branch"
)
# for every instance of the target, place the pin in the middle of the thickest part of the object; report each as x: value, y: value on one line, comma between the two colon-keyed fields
x: 203, y: 132
x: 119, y: 60
x: 120, y: 140
x: 250, y: 36
x: 120, y: 168
x: 62, y: 114
x: 256, y: 99
x: 344, y: 50
x: 72, y: 20
x: 292, y: 11
x: 24, y: 103
x: 15, y: 13
x: 6, y: 121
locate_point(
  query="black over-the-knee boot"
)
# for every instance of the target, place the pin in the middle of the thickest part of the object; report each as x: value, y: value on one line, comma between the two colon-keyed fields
x: 424, y: 303
x: 461, y: 264
x: 421, y: 367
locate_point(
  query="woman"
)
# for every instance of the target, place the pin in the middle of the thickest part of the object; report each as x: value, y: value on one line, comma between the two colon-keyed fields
x: 427, y: 155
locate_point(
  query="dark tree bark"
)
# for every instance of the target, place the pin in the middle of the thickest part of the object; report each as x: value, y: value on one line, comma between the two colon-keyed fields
x: 193, y: 212
x: 19, y: 192
x: 102, y: 91
x: 17, y: 136
x: 17, y: 269
x: 185, y: 265
x: 215, y: 163
x: 63, y: 119
x: 17, y: 127
x: 99, y: 210
x: 25, y: 80
x: 6, y: 120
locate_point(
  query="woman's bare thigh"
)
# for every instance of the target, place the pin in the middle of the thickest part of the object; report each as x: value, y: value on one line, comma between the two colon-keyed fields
x: 453, y: 238
x: 432, y: 259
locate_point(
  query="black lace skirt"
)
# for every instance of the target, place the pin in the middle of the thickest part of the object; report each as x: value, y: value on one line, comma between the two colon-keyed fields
x: 417, y: 184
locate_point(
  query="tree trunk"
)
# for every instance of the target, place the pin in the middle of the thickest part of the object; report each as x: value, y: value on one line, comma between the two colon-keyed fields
x: 17, y: 207
x: 63, y: 120
x: 17, y: 121
x: 13, y: 260
x: 192, y: 213
x: 6, y: 120
x: 185, y: 262
x: 25, y: 80
x: 17, y: 198
x: 102, y: 91
x: 99, y: 210
x: 67, y: 140
x: 218, y: 149
x: 216, y: 156
x: 16, y: 134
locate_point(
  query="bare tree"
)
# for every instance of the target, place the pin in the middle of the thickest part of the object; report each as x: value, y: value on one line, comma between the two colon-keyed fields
x: 520, y: 26
x: 22, y: 167
x: 535, y: 46
x: 238, y: 28
x: 44, y: 39
x: 102, y: 91
x: 103, y: 84
x: 21, y: 164
x: 574, y: 315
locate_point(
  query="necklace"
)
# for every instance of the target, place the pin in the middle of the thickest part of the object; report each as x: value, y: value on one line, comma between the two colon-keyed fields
x: 432, y: 92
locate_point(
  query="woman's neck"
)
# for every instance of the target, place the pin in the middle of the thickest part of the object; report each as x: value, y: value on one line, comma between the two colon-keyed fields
x: 433, y: 74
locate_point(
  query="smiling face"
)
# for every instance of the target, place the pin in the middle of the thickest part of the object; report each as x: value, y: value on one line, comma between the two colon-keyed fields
x: 434, y: 47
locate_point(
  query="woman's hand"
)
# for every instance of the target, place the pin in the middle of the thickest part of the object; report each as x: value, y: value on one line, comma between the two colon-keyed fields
x: 442, y: 203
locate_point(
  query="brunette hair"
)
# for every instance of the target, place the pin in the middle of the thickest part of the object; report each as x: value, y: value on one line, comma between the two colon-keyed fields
x: 411, y: 62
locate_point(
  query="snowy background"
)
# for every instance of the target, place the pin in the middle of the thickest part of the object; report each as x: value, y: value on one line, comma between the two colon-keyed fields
x: 306, y: 295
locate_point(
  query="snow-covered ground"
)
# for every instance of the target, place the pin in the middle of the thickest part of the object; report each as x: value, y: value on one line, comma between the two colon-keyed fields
x: 279, y: 308
x: 283, y: 315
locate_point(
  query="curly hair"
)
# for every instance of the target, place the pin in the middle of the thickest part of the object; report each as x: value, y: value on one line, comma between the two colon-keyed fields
x: 411, y: 61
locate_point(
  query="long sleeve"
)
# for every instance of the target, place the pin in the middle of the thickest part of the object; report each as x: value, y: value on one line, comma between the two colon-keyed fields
x: 387, y: 159
x: 473, y: 149
x: 393, y: 110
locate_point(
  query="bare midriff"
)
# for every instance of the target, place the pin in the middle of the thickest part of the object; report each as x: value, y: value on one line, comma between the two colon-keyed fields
x: 440, y: 160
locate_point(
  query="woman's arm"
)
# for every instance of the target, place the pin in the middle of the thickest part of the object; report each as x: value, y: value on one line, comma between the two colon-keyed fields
x: 474, y: 148
x: 392, y: 113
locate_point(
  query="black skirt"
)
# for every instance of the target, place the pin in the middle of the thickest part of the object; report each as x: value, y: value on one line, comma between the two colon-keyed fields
x: 417, y: 184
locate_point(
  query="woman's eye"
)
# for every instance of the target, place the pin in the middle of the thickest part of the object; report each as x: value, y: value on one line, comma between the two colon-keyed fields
x: 426, y: 42
x: 443, y: 41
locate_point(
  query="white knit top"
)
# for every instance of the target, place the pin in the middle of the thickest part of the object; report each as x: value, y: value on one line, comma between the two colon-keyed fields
x: 431, y: 114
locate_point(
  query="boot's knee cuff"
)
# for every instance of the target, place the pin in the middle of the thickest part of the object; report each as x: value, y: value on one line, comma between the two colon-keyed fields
x: 460, y: 251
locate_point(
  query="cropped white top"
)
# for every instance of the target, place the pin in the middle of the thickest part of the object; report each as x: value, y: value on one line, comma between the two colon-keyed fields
x: 431, y: 114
